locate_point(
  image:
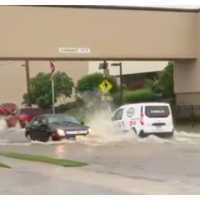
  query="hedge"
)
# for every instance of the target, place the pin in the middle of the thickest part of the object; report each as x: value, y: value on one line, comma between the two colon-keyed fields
x: 140, y: 95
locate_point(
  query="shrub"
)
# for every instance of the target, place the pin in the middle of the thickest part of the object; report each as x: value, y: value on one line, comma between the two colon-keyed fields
x: 140, y: 95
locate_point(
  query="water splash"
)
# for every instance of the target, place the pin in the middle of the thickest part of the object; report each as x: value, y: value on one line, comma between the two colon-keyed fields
x: 3, y: 125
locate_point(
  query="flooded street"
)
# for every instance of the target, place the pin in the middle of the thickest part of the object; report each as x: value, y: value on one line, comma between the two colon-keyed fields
x: 121, y: 164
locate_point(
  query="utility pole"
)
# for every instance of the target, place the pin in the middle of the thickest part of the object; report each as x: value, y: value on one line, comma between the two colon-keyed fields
x: 27, y: 72
x: 121, y: 79
x: 53, y: 95
x: 104, y: 66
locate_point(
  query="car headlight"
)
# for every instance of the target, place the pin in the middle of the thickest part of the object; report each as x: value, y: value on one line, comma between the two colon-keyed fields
x: 60, y: 132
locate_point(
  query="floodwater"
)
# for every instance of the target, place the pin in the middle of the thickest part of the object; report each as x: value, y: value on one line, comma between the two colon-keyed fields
x: 103, y: 133
x: 118, y: 163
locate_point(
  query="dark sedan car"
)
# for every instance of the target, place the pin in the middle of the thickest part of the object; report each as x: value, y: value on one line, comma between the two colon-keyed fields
x: 55, y: 127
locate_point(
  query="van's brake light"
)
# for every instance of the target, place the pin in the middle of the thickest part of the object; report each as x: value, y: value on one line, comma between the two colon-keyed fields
x: 142, y: 118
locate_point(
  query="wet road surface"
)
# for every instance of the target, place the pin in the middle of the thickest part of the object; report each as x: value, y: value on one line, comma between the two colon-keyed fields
x: 121, y: 165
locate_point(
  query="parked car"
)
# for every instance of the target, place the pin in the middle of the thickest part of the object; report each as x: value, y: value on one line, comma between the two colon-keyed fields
x: 12, y: 115
x: 145, y: 119
x: 55, y: 127
x: 25, y: 115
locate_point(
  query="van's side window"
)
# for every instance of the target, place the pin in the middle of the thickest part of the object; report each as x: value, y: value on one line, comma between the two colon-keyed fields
x: 130, y: 112
x: 118, y: 115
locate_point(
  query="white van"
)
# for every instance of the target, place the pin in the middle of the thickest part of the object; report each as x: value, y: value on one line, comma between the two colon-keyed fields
x: 145, y: 119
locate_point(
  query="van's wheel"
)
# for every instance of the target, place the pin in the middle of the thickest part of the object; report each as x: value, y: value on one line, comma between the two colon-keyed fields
x: 142, y: 134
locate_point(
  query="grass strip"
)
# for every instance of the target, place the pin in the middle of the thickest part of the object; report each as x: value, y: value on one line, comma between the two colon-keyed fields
x: 4, y: 165
x: 44, y: 159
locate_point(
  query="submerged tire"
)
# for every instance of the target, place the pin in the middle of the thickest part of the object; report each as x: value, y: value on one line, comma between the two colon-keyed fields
x: 28, y: 137
x: 44, y: 137
x: 142, y: 134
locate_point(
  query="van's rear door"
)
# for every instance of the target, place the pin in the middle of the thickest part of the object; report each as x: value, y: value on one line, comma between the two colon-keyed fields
x: 158, y: 118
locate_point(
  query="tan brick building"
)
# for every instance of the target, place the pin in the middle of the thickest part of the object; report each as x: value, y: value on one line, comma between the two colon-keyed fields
x: 69, y: 33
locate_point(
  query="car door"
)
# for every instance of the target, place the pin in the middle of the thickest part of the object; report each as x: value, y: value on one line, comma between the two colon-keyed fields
x: 38, y: 127
x: 118, y: 119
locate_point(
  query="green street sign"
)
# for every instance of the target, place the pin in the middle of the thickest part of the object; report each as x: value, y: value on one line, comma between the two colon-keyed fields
x: 105, y: 86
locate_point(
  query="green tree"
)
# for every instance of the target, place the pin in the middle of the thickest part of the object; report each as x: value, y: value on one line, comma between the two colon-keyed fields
x: 165, y: 84
x: 40, y: 89
x: 90, y: 83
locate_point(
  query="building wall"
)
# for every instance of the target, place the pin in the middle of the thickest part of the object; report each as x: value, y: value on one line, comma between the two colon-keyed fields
x: 136, y: 34
x: 187, y: 77
x: 12, y: 82
x: 38, y: 33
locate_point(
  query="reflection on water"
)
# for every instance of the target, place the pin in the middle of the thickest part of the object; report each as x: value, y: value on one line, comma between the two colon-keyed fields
x: 60, y: 150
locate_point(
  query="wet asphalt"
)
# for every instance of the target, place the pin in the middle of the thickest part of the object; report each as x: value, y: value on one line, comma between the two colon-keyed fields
x: 122, y: 165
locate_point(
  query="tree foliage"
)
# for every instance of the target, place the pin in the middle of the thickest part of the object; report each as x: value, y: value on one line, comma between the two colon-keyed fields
x: 41, y: 92
x: 90, y: 83
x: 165, y: 84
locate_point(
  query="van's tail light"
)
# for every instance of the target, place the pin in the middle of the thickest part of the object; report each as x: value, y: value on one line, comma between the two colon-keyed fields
x: 142, y: 118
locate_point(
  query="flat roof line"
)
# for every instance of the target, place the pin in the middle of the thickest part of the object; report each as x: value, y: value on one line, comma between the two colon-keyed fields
x: 112, y: 7
x: 90, y: 59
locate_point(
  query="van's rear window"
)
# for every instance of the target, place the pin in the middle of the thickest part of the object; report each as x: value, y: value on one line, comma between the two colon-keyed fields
x: 157, y: 111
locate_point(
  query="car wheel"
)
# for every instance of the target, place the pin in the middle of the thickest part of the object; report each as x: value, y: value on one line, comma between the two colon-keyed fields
x: 28, y: 137
x: 31, y: 137
x: 44, y: 137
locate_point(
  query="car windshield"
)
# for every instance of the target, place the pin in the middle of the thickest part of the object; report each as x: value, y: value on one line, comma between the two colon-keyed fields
x: 62, y: 119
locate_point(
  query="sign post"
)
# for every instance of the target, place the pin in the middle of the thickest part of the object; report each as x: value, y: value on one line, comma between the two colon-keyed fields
x: 121, y: 80
x: 53, y: 95
x: 52, y: 66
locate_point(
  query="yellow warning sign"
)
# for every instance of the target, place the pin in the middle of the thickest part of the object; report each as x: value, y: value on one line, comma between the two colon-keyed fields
x: 105, y: 86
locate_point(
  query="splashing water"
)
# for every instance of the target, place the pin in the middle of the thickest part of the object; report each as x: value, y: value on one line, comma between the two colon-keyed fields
x: 103, y: 130
x: 3, y: 125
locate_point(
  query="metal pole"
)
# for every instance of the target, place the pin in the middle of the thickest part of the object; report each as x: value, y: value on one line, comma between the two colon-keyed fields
x: 121, y: 83
x: 53, y: 95
x: 28, y: 81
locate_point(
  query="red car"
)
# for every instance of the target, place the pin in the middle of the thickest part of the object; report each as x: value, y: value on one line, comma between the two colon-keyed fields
x: 13, y: 116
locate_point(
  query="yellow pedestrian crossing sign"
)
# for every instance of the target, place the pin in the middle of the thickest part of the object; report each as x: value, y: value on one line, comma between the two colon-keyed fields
x: 105, y: 86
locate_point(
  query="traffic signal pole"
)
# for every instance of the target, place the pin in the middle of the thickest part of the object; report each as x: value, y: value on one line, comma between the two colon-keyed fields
x: 121, y: 80
x: 121, y: 83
